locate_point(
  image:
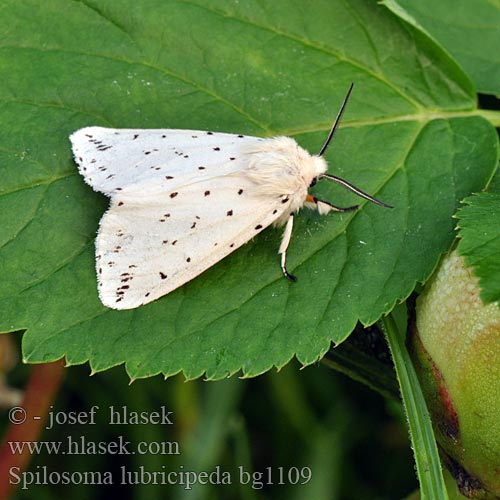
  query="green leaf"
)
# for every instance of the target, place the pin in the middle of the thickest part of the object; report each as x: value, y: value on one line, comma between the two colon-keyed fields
x: 470, y: 31
x: 479, y: 225
x: 410, y: 136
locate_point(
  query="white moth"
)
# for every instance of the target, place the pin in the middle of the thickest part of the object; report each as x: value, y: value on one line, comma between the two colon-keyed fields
x: 181, y: 200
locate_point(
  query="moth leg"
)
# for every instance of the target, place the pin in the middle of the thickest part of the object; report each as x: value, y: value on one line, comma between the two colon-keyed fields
x: 285, y: 241
x: 324, y: 206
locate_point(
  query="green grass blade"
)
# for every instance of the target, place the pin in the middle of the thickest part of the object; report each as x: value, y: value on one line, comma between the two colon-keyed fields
x: 427, y: 461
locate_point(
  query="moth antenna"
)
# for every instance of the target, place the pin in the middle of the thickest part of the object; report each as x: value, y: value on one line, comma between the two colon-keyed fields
x: 336, y: 122
x: 354, y: 189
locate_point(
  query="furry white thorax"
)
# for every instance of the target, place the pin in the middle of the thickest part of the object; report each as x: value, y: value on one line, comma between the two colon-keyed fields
x: 281, y: 168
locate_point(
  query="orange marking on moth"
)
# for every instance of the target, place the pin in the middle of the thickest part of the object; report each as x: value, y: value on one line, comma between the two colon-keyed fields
x: 310, y: 199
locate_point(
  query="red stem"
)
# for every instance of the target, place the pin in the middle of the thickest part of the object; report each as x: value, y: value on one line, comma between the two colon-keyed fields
x: 41, y: 390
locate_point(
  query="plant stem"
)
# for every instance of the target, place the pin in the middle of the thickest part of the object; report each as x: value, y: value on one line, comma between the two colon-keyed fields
x: 41, y: 390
